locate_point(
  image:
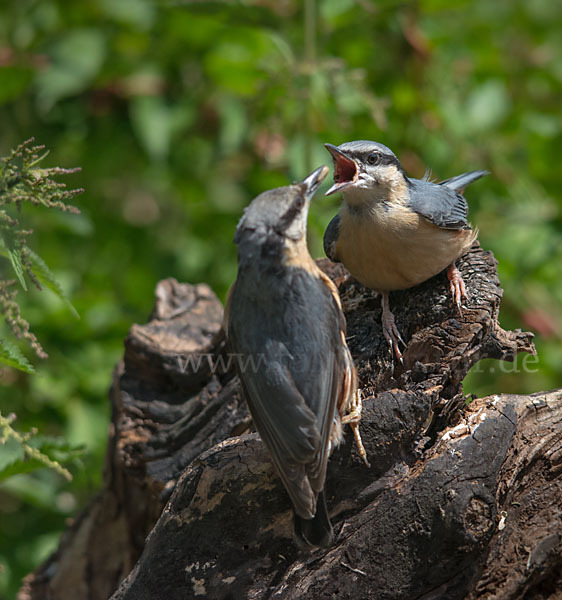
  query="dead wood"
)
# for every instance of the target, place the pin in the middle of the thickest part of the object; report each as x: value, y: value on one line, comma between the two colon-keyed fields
x: 461, y: 501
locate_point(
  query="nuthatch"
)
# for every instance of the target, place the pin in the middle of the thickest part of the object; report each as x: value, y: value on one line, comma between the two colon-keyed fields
x: 284, y: 319
x: 393, y: 232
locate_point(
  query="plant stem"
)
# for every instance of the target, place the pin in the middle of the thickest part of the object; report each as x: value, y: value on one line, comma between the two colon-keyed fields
x: 310, y: 60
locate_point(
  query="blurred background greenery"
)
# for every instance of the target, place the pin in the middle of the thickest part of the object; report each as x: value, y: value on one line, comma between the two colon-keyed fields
x: 181, y: 112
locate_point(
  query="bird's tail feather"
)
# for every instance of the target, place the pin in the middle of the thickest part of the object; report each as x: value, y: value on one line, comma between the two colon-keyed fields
x: 459, y: 182
x: 316, y: 532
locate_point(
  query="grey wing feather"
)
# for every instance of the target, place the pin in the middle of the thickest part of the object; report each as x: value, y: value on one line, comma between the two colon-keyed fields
x: 460, y: 182
x: 330, y: 238
x: 288, y: 429
x: 295, y: 433
x: 292, y: 394
x: 286, y: 425
x: 440, y: 205
x: 297, y: 442
x: 326, y: 386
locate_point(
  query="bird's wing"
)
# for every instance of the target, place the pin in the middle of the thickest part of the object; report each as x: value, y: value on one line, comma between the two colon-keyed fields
x: 279, y: 405
x: 292, y: 393
x: 439, y: 204
x: 286, y: 426
x: 330, y: 238
x: 460, y: 182
x: 316, y: 342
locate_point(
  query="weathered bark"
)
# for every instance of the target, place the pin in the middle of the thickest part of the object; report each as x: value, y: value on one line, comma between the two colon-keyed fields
x: 460, y: 501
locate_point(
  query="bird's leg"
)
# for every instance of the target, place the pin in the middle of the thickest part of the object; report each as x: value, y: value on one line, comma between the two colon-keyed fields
x: 352, y: 419
x: 389, y: 329
x: 456, y: 282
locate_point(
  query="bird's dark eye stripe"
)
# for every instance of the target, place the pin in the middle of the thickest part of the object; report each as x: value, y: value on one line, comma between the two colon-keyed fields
x: 382, y: 159
x: 292, y: 212
x: 386, y: 159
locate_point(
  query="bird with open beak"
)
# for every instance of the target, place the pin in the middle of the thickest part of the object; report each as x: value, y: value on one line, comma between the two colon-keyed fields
x: 285, y: 314
x: 393, y: 232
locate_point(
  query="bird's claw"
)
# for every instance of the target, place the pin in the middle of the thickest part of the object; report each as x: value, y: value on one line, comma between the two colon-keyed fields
x: 456, y: 283
x: 352, y: 419
x: 392, y: 336
x: 390, y: 331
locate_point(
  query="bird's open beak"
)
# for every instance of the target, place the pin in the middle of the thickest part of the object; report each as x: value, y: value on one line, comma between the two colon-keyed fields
x: 312, y: 182
x: 345, y: 169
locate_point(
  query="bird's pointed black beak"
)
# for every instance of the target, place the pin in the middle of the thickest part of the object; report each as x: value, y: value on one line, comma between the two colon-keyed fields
x: 312, y: 182
x: 345, y: 169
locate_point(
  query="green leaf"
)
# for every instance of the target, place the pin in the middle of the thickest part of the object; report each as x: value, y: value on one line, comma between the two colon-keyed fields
x: 27, y: 453
x: 151, y: 118
x: 11, y: 356
x: 487, y: 105
x: 15, y: 258
x: 331, y: 10
x: 57, y: 448
x: 11, y: 451
x: 138, y: 13
x: 238, y: 61
x: 11, y: 251
x: 24, y: 465
x: 23, y: 453
x: 76, y: 59
x: 47, y: 278
x: 40, y: 269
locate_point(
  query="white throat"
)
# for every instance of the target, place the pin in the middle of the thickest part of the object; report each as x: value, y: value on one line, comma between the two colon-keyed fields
x: 370, y: 190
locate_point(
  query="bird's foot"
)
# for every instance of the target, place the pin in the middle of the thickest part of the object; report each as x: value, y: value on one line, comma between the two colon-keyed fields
x: 458, y: 289
x: 390, y: 331
x: 352, y: 418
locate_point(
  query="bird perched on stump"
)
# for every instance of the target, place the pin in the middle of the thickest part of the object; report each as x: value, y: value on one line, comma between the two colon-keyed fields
x: 393, y: 232
x: 285, y: 315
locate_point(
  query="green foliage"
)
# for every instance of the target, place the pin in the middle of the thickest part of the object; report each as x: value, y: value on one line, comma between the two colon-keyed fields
x: 24, y: 453
x: 181, y: 112
x: 12, y: 356
x: 23, y: 182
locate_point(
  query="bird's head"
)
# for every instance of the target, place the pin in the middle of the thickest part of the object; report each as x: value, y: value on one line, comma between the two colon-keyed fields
x: 365, y: 166
x: 280, y: 214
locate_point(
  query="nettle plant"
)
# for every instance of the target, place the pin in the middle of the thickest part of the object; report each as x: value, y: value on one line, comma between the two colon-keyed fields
x: 23, y: 181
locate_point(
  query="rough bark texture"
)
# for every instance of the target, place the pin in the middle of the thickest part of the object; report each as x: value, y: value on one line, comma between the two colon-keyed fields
x: 460, y: 501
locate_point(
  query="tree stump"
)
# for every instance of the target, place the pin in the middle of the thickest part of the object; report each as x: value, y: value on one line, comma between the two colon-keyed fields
x: 462, y: 500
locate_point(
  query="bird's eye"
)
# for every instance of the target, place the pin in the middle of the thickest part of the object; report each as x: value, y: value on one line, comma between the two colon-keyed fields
x: 373, y: 158
x: 298, y: 203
